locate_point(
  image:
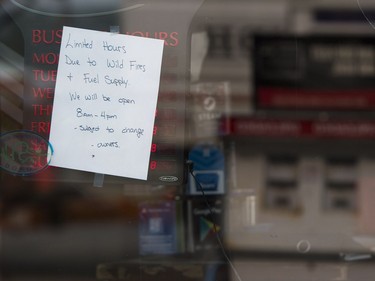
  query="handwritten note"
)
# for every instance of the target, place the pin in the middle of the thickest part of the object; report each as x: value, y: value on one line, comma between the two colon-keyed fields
x: 105, y: 100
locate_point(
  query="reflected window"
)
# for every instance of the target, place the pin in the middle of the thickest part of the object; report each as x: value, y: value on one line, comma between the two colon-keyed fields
x: 340, y: 191
x: 281, y: 191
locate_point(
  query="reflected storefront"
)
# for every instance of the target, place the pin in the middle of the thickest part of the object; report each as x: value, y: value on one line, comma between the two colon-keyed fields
x: 191, y: 140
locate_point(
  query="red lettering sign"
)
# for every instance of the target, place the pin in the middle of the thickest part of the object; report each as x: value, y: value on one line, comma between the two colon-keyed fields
x: 43, y: 36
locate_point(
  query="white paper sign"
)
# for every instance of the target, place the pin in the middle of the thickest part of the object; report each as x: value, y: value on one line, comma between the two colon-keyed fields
x: 105, y: 100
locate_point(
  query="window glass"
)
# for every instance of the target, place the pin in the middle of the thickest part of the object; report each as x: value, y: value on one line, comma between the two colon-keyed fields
x: 187, y: 139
